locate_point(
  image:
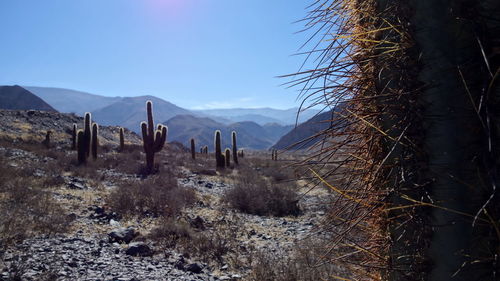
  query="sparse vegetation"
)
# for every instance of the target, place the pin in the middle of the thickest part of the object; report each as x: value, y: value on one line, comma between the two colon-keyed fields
x: 253, y: 195
x: 27, y: 208
x: 155, y: 196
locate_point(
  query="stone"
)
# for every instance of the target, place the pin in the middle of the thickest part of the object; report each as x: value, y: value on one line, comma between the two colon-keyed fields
x: 122, y: 235
x: 194, y: 268
x: 139, y: 249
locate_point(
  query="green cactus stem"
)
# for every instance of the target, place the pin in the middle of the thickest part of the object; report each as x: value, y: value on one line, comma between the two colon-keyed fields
x: 218, y: 151
x: 82, y: 156
x: 87, y: 134
x: 153, y: 142
x: 193, y: 151
x: 122, y: 140
x: 73, y: 137
x: 227, y: 157
x: 95, y: 140
x: 235, y: 149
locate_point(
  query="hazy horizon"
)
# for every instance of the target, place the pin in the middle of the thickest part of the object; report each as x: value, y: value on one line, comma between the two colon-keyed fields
x: 195, y: 54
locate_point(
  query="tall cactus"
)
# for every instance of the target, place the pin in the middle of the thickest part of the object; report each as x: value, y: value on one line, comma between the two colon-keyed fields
x: 423, y: 141
x: 227, y: 157
x: 81, y: 152
x: 193, y: 151
x: 153, y: 142
x: 95, y: 140
x: 219, y: 159
x: 73, y: 137
x: 122, y: 140
x: 235, y: 149
x: 87, y: 134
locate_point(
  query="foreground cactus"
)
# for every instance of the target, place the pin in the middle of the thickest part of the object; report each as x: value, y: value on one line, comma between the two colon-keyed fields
x: 235, y: 149
x: 153, y: 142
x: 95, y: 140
x: 419, y: 139
x: 193, y: 151
x: 219, y: 158
x: 122, y: 140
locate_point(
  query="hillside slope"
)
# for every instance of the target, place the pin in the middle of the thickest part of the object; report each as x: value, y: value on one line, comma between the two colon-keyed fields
x: 295, y: 138
x: 18, y: 98
x: 71, y: 101
x: 131, y: 111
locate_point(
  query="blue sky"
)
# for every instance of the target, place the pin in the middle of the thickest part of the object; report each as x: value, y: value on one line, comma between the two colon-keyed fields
x: 194, y: 53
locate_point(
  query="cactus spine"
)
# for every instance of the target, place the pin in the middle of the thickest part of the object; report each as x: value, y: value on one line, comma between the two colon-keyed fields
x: 235, y: 149
x: 73, y: 137
x: 122, y: 140
x: 193, y: 152
x: 153, y: 142
x: 227, y: 157
x: 219, y: 158
x: 95, y: 140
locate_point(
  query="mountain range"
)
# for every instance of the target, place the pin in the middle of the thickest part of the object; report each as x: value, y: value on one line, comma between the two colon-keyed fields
x: 257, y: 128
x: 249, y: 134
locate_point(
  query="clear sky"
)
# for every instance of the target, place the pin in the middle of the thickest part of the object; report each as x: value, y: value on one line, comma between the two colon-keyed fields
x: 194, y: 53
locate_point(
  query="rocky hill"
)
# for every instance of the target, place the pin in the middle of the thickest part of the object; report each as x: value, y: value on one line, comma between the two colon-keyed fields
x: 32, y: 126
x: 17, y: 97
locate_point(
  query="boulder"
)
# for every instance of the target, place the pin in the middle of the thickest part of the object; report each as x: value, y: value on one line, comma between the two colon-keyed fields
x: 139, y: 249
x: 122, y: 235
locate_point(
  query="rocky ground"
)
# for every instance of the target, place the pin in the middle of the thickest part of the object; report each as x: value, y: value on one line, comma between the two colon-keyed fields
x: 100, y: 244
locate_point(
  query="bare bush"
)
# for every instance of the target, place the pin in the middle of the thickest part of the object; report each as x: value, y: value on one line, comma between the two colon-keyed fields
x: 155, y: 196
x: 253, y: 195
x: 27, y: 209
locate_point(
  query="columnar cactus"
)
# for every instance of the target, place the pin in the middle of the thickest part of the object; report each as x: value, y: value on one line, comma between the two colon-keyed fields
x: 218, y: 151
x: 193, y: 152
x: 153, y: 142
x: 227, y: 157
x: 122, y: 140
x: 82, y: 153
x: 46, y: 142
x: 87, y: 134
x: 73, y: 137
x: 95, y: 140
x: 235, y: 149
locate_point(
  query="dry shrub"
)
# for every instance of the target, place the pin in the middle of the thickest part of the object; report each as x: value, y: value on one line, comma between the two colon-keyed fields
x: 26, y: 208
x: 253, y: 195
x: 157, y: 195
x: 208, y: 245
x: 304, y: 263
